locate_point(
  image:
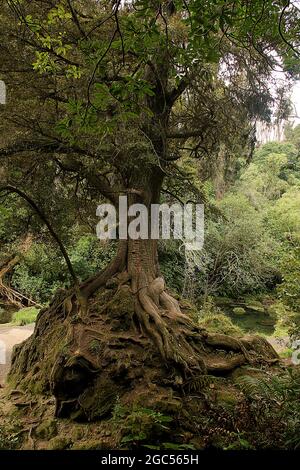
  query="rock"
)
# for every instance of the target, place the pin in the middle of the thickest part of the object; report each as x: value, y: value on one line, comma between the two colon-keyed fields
x: 227, y: 398
x: 239, y: 311
x: 47, y: 429
x: 256, y: 306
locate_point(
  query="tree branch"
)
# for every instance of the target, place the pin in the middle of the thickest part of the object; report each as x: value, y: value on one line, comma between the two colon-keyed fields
x: 177, y: 92
x: 184, y: 134
x: 76, y: 20
x: 42, y: 216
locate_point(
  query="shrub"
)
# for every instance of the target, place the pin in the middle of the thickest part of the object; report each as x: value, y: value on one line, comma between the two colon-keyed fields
x: 239, y: 254
x: 42, y: 269
x: 40, y: 272
x: 172, y: 264
x: 274, y: 402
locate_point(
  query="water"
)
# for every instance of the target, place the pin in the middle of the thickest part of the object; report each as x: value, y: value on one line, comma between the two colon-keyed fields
x: 251, y: 321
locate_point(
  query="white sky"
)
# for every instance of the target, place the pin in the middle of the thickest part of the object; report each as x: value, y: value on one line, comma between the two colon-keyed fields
x: 296, y: 100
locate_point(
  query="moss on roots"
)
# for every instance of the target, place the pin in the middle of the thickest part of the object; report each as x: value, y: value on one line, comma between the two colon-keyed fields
x: 119, y: 351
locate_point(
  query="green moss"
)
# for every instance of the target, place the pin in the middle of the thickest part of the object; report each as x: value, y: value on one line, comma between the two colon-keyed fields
x: 25, y: 316
x: 47, y: 429
x: 281, y: 330
x: 227, y: 398
x: 219, y: 323
x: 169, y: 406
x: 77, y: 434
x: 59, y: 443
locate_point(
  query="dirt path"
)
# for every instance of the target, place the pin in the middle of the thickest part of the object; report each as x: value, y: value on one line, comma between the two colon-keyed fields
x: 279, y: 344
x: 9, y: 336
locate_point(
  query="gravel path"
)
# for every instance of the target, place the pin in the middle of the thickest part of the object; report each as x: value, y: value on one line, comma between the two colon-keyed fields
x: 9, y: 336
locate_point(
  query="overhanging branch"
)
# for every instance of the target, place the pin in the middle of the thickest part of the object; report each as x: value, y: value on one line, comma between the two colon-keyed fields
x: 12, y: 190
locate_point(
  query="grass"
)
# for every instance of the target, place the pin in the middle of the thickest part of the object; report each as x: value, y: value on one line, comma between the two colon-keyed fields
x: 25, y: 316
x: 287, y: 353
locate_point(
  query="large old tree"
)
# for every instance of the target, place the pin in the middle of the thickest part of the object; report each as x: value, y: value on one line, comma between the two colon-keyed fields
x: 110, y: 96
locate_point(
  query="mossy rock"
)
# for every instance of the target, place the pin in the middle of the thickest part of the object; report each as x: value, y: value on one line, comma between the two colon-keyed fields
x: 59, y: 443
x: 239, y: 311
x: 219, y: 323
x: 256, y: 306
x: 47, y: 429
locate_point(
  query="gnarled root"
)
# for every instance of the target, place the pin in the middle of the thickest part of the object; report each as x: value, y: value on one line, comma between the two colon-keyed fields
x: 181, y: 341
